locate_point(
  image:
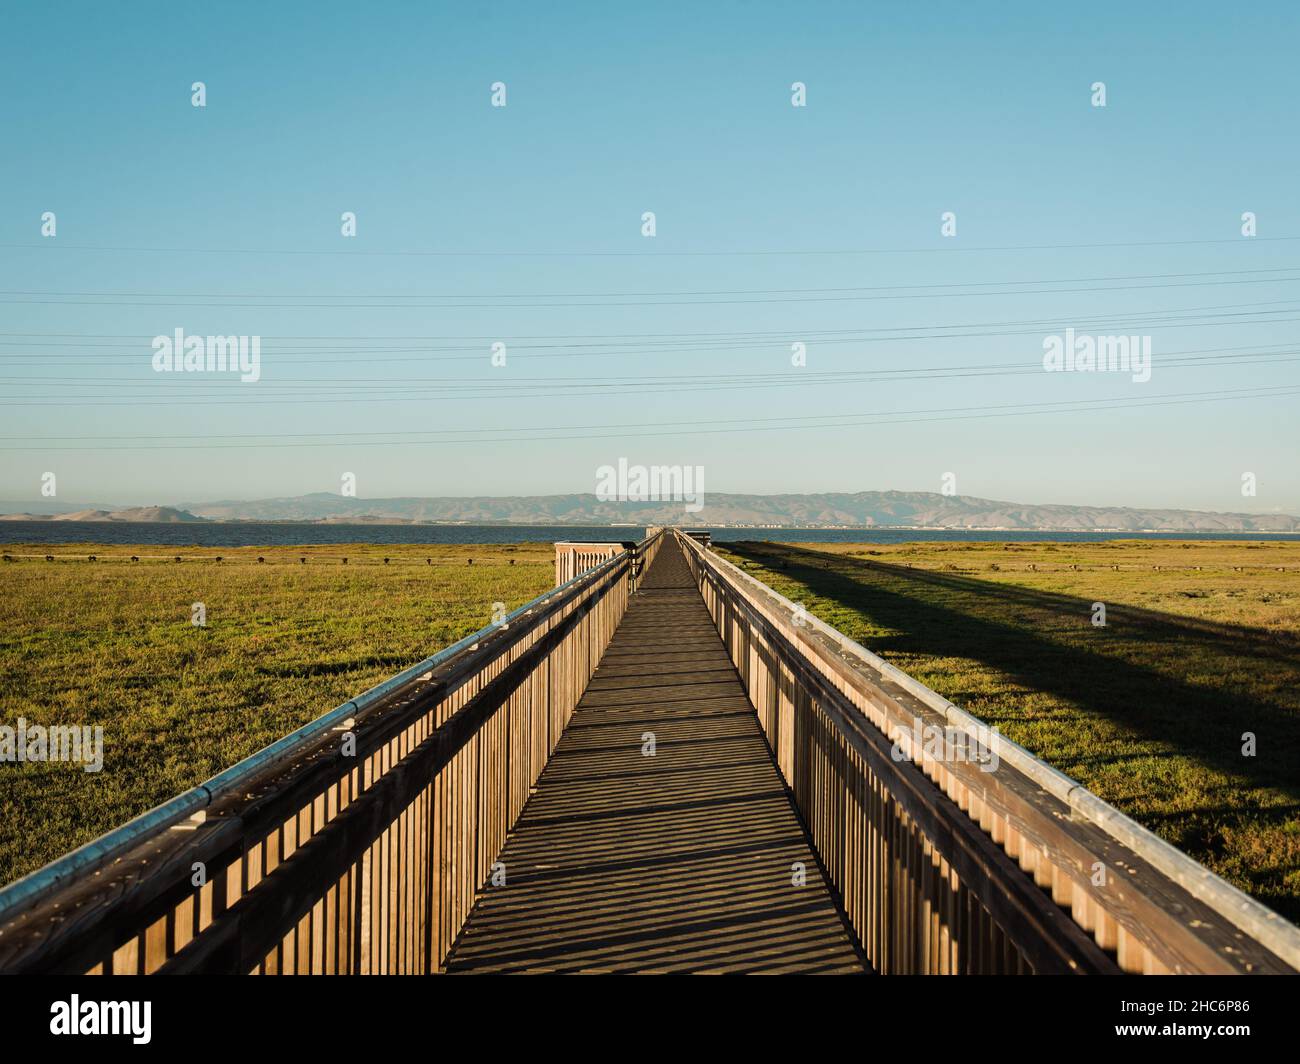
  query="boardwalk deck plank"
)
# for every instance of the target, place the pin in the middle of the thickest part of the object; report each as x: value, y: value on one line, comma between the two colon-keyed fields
x: 677, y: 862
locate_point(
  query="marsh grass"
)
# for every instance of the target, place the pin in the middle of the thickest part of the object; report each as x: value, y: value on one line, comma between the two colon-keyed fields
x: 1201, y: 645
x: 111, y: 643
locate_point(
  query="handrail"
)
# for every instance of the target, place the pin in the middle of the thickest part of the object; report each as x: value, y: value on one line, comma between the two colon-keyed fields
x: 247, y: 797
x: 98, y: 851
x: 1260, y: 922
x: 886, y: 698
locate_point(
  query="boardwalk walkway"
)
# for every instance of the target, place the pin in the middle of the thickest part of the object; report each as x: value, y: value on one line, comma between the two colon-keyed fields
x: 681, y: 861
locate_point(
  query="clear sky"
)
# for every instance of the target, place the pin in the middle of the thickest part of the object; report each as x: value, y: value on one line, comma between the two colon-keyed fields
x: 774, y: 225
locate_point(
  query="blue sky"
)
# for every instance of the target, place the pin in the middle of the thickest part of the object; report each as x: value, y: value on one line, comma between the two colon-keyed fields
x: 522, y: 225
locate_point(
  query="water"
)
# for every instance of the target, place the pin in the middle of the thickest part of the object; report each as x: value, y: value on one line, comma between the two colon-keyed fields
x: 272, y: 534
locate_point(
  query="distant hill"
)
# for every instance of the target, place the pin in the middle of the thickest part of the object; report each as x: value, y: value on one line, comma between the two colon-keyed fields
x: 155, y: 514
x: 29, y: 509
x: 864, y: 509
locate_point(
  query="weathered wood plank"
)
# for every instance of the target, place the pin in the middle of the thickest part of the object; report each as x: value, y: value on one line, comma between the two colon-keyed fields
x: 680, y: 861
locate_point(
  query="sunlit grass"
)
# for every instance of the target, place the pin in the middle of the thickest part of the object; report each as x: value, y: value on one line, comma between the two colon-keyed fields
x: 1201, y: 645
x: 111, y: 643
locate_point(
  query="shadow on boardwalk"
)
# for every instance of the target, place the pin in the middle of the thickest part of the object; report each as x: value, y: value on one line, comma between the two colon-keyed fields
x: 1120, y: 704
x: 677, y: 861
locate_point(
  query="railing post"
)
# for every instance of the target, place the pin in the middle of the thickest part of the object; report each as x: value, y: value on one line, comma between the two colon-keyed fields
x: 987, y: 833
x: 418, y: 739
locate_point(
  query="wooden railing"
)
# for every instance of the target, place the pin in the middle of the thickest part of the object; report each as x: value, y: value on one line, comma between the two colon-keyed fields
x: 954, y: 850
x: 356, y: 844
x: 574, y: 557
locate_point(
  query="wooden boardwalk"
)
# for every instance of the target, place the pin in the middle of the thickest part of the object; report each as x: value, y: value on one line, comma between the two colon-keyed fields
x: 361, y: 843
x: 680, y: 861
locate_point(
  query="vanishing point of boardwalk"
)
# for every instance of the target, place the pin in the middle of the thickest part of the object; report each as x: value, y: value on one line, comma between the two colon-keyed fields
x: 680, y: 861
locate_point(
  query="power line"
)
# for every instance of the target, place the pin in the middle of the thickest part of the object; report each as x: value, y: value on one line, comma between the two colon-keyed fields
x: 1183, y: 317
x: 383, y: 393
x: 1207, y: 357
x: 69, y: 358
x: 760, y: 424
x: 695, y: 336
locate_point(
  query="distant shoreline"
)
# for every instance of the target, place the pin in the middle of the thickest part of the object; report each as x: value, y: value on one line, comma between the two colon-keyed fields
x: 397, y: 522
x: 333, y: 533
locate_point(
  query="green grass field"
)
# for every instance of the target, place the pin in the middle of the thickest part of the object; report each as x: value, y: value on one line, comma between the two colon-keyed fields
x: 1148, y: 712
x: 112, y: 643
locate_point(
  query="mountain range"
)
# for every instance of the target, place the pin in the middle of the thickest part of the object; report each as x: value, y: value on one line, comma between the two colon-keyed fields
x: 864, y: 509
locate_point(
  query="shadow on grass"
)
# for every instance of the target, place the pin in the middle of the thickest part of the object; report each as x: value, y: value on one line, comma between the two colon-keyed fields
x: 1132, y: 672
